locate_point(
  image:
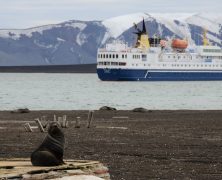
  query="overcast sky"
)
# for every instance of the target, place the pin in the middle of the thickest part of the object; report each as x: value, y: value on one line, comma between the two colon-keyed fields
x: 29, y: 13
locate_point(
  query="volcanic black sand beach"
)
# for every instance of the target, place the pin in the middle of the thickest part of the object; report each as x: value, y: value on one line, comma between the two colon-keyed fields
x: 150, y: 145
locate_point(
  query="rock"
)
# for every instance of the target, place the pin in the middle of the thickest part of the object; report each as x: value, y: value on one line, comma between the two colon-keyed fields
x: 23, y: 110
x: 107, y: 108
x: 140, y: 109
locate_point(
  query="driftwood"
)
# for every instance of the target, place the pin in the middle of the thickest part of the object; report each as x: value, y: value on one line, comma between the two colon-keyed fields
x: 43, y: 123
x: 39, y: 125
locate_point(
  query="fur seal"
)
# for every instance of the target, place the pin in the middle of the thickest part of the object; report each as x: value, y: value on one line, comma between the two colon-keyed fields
x: 50, y: 152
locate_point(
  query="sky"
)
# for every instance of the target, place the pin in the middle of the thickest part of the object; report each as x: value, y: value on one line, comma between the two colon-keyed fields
x: 30, y: 13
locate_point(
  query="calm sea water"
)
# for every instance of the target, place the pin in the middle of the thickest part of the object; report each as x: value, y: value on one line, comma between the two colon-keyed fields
x: 86, y: 91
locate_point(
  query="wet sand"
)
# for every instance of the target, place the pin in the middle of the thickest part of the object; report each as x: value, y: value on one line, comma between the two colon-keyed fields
x: 151, y: 145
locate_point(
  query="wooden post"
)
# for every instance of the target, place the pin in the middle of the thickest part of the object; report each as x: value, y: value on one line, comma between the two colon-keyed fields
x: 60, y: 121
x: 39, y: 125
x: 77, y: 125
x: 44, y: 122
x: 54, y: 118
x: 90, y: 118
x: 64, y: 122
x: 28, y: 127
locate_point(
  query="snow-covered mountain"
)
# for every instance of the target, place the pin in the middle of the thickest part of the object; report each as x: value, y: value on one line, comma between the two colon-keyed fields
x: 76, y: 42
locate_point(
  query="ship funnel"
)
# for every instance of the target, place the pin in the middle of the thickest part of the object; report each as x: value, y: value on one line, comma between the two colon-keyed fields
x: 142, y: 37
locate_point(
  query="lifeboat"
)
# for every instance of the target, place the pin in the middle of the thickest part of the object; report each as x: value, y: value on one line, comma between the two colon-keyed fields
x: 179, y: 44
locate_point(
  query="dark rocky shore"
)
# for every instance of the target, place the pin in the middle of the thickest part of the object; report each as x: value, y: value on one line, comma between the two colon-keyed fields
x: 148, y: 145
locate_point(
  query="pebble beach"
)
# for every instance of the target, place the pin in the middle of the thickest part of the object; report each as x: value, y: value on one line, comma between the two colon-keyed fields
x: 156, y: 144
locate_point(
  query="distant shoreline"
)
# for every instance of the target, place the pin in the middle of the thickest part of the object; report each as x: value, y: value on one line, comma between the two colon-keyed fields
x: 83, y: 68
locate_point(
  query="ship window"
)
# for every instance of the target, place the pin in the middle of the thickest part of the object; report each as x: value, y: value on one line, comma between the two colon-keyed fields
x: 144, y: 57
x: 113, y: 56
x: 106, y: 55
x: 125, y: 56
x: 110, y: 56
x: 117, y: 56
x: 114, y: 63
x: 122, y: 63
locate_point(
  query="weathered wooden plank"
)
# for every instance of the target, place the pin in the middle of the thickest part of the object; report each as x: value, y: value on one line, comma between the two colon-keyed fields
x: 23, y: 169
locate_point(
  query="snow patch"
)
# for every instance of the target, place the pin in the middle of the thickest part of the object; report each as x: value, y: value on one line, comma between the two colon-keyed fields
x: 60, y: 39
x: 208, y: 21
x: 81, y: 39
x: 213, y: 38
x: 78, y: 25
x: 47, y: 61
x: 117, y: 25
x: 17, y: 33
x: 42, y: 45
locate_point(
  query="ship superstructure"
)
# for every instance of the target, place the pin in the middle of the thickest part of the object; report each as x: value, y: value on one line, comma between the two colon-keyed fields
x: 153, y: 59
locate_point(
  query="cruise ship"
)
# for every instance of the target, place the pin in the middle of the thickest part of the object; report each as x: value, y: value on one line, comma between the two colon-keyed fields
x: 156, y: 59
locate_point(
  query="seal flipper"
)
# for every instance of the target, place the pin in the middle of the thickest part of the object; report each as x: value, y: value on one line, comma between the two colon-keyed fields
x: 44, y: 158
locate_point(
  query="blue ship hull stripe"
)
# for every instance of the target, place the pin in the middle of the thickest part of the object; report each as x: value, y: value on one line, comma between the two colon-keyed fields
x: 156, y: 75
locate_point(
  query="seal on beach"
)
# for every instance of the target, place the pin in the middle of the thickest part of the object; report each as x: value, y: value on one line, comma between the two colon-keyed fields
x: 50, y: 152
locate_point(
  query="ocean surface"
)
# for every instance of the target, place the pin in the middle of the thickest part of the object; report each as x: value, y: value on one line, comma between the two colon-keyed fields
x: 42, y: 91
